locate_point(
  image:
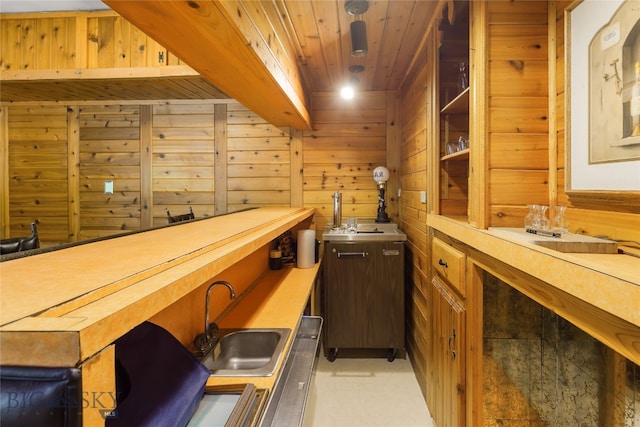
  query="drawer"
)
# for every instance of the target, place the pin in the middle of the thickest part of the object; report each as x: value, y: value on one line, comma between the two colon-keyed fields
x: 449, y: 263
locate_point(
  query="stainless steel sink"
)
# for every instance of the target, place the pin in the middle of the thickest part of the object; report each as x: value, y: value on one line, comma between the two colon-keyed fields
x: 247, y: 352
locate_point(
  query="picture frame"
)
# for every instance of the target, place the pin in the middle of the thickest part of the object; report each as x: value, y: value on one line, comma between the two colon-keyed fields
x: 603, y: 155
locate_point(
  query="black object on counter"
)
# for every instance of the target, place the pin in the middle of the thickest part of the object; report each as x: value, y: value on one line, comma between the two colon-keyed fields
x: 275, y: 259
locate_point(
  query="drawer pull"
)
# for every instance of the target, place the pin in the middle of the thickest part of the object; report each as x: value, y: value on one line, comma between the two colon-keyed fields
x: 442, y: 263
x: 360, y: 254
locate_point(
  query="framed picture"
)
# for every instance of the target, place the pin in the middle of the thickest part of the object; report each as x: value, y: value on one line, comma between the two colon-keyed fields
x: 603, y: 99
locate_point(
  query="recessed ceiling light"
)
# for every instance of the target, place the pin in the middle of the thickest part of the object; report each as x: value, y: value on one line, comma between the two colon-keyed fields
x: 347, y: 92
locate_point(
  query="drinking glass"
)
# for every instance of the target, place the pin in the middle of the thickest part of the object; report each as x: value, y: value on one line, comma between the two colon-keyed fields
x: 452, y: 147
x: 542, y: 222
x: 529, y: 218
x: 352, y: 224
x: 560, y: 223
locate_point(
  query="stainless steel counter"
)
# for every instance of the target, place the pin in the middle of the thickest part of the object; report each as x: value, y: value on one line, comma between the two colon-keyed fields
x: 367, y: 230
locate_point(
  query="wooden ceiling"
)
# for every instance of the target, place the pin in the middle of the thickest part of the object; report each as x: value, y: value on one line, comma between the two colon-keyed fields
x: 269, y: 55
x: 321, y: 35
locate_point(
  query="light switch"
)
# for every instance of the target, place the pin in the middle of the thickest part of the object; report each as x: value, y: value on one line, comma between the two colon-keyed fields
x: 399, y: 192
x: 108, y: 187
x: 423, y: 197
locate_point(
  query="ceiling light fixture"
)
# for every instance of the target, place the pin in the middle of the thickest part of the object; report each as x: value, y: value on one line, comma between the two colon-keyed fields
x: 358, y: 27
x: 349, y: 90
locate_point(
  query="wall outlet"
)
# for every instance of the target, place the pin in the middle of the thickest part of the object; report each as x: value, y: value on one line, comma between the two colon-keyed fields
x: 108, y: 187
x: 423, y: 197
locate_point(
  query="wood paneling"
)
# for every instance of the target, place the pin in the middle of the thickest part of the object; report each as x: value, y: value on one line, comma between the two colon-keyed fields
x: 416, y: 124
x: 258, y: 161
x: 160, y: 156
x: 241, y: 39
x: 109, y: 151
x: 37, y: 171
x: 518, y: 116
x: 78, y: 56
x: 114, y: 42
x: 77, y: 40
x: 183, y: 160
x: 348, y: 142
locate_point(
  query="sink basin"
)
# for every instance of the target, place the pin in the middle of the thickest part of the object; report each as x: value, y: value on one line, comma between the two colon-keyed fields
x: 247, y: 352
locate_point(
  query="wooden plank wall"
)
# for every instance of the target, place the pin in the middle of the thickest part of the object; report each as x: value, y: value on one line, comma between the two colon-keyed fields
x: 259, y: 158
x: 183, y: 156
x: 109, y: 150
x: 417, y: 115
x: 31, y: 44
x: 518, y: 119
x: 114, y: 42
x: 37, y: 161
x: 348, y: 141
x: 160, y: 156
x: 99, y: 39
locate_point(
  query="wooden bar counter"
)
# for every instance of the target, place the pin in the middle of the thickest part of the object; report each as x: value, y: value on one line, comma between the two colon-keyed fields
x: 599, y: 293
x: 65, y: 308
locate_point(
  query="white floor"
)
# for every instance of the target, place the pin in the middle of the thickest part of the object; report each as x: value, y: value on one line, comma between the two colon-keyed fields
x: 366, y: 393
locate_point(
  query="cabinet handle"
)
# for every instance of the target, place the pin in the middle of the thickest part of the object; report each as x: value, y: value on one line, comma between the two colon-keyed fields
x: 442, y: 263
x: 451, y: 338
x: 360, y: 254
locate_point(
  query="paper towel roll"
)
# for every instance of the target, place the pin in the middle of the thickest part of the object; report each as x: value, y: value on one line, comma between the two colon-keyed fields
x: 306, y: 248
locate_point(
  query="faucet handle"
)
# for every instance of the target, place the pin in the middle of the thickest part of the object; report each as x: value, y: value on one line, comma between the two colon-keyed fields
x: 213, y: 330
x: 200, y: 342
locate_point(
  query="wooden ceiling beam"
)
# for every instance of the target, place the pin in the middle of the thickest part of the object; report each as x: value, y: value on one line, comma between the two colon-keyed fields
x: 206, y: 35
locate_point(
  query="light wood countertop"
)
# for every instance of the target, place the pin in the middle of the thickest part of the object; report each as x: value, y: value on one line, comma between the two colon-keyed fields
x: 62, y: 307
x: 600, y: 293
x: 277, y: 301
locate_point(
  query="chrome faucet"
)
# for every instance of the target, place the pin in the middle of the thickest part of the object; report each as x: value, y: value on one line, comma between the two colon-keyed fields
x: 205, y: 341
x: 232, y: 294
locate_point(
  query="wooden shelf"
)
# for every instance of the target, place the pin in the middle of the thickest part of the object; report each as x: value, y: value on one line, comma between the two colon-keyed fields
x: 458, y: 155
x: 459, y: 104
x: 93, y: 303
x: 454, y: 120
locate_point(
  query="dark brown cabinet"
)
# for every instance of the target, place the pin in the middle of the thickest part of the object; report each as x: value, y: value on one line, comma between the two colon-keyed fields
x: 364, y: 296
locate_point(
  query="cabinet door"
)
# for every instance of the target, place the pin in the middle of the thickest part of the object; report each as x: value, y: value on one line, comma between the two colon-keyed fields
x: 364, y: 304
x: 448, y: 320
x: 455, y: 355
x: 386, y: 296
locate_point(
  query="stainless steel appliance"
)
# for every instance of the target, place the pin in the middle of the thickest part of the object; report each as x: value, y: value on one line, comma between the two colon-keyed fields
x: 364, y: 288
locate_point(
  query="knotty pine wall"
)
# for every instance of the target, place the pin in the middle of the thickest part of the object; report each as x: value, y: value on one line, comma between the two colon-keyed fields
x: 259, y: 161
x: 109, y: 149
x: 30, y: 42
x: 518, y: 120
x: 214, y: 156
x: 161, y: 157
x: 526, y: 145
x: 525, y: 164
x: 348, y: 141
x: 35, y: 173
x: 416, y: 111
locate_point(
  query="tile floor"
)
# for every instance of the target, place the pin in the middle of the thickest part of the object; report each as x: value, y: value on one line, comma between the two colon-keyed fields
x: 366, y: 393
